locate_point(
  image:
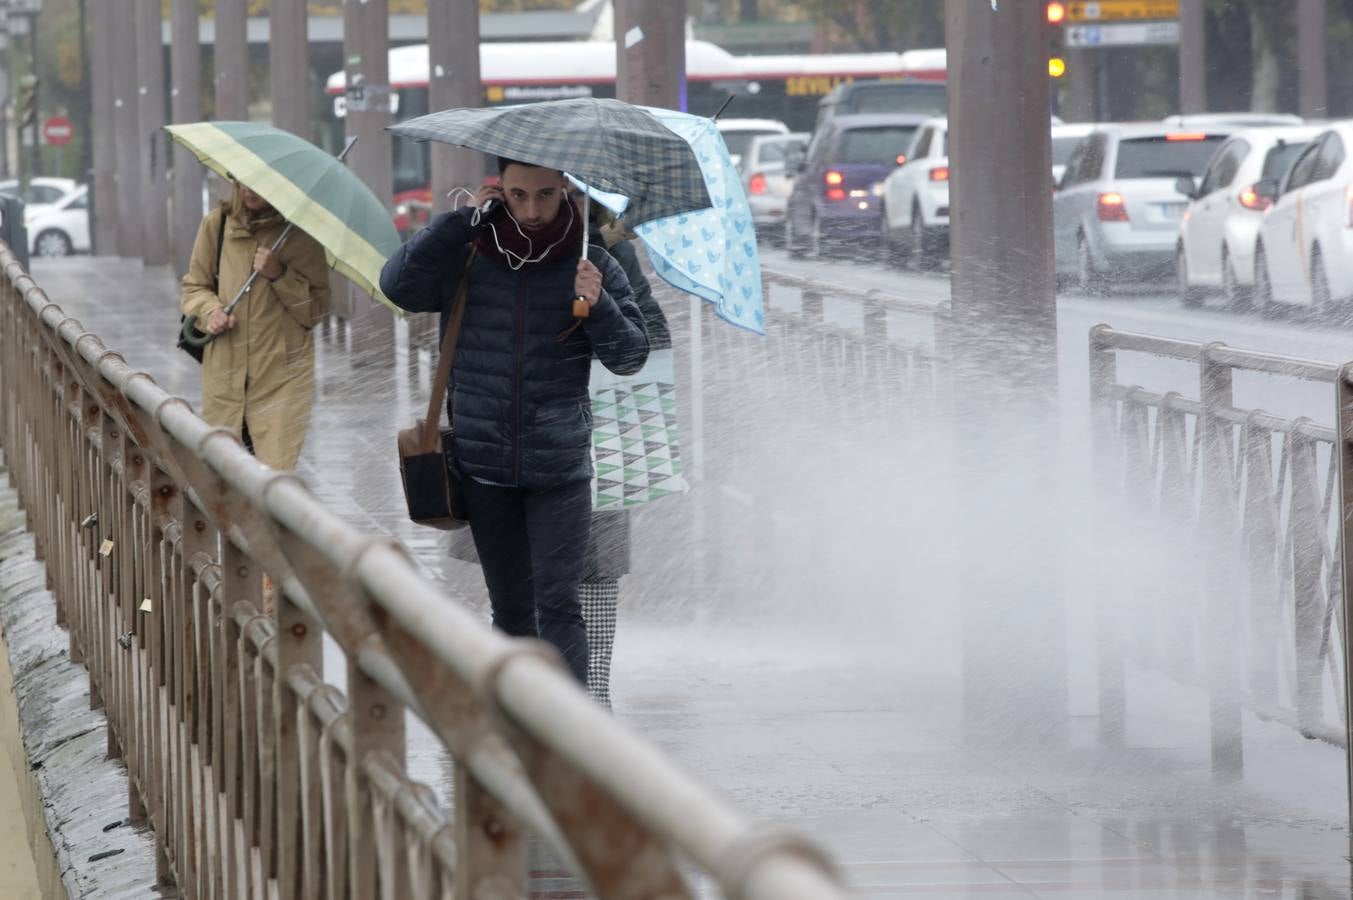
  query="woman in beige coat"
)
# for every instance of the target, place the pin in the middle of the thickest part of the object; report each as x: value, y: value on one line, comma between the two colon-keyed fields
x: 258, y: 375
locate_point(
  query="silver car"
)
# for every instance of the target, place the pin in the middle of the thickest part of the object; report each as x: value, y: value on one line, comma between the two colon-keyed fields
x: 765, y: 179
x: 1118, y: 207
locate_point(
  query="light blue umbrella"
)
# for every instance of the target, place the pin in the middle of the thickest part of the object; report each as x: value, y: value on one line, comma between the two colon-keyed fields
x: 710, y: 252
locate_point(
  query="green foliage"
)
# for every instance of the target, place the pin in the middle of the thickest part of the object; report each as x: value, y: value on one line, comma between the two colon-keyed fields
x: 879, y: 24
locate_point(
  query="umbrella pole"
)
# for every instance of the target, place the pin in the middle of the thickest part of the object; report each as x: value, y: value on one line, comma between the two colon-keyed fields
x: 581, y: 308
x: 587, y: 209
x: 248, y: 285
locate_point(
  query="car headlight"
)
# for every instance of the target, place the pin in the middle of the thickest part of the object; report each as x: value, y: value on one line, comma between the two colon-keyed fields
x: 877, y: 189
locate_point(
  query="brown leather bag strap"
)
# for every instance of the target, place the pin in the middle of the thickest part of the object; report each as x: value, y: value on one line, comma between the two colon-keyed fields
x: 449, y: 342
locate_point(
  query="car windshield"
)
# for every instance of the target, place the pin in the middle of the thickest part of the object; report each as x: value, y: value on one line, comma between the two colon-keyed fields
x: 773, y: 151
x: 739, y: 141
x: 1165, y: 156
x: 1280, y: 158
x: 880, y: 146
x: 1062, y: 148
x: 891, y: 97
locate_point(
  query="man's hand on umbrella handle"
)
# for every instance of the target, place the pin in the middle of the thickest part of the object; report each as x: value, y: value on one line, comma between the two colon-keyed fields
x: 218, y: 322
x: 587, y: 283
x: 268, y: 265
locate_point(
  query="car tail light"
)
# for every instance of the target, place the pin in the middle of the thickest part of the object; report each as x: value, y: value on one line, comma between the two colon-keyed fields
x: 757, y: 184
x: 834, y: 181
x: 1112, y: 208
x: 901, y: 159
x: 1251, y: 199
x: 1186, y: 136
x: 939, y: 173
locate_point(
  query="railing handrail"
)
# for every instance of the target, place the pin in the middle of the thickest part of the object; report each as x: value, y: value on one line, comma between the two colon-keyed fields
x: 514, y: 679
x: 1103, y: 337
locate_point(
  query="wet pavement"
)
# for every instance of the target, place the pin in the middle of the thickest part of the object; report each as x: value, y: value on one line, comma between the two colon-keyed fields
x: 790, y: 632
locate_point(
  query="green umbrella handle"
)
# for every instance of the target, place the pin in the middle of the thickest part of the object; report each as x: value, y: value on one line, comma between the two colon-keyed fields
x: 192, y: 337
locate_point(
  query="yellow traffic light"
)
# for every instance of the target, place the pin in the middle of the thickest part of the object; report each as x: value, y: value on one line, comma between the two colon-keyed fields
x: 1056, y: 67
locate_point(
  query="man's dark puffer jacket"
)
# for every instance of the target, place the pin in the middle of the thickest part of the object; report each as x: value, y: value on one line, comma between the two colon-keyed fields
x: 522, y: 413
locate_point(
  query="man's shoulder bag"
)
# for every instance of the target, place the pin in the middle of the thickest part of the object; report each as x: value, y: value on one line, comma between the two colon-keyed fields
x: 195, y: 350
x: 432, y: 494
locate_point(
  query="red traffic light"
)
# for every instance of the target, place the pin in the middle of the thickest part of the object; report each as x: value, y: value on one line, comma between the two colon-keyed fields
x: 1056, y: 12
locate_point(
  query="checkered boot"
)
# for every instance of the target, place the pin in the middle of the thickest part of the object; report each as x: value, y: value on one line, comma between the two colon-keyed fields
x: 599, y: 600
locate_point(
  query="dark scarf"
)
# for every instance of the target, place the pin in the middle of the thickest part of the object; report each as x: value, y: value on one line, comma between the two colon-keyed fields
x: 565, y: 233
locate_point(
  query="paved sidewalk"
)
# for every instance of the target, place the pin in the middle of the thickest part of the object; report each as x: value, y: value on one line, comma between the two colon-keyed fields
x: 18, y: 873
x: 825, y: 692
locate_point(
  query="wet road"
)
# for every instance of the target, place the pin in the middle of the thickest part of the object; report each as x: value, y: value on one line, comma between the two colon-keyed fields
x: 790, y: 630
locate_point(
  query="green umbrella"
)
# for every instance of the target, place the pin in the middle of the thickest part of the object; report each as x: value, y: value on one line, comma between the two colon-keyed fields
x: 312, y: 189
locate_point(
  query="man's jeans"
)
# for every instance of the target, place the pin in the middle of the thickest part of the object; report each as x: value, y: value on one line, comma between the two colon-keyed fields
x: 532, y: 544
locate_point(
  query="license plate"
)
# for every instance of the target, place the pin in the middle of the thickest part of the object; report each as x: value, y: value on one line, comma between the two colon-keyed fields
x: 1173, y: 210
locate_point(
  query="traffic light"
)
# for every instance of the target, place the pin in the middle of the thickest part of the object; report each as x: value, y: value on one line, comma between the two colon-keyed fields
x: 1054, y: 17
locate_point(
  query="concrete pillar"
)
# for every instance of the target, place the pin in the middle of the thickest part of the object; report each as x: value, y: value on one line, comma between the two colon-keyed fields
x: 366, y: 48
x: 289, y: 64
x: 1192, y: 57
x: 102, y: 96
x: 126, y: 123
x: 185, y: 106
x: 1311, y: 66
x: 650, y: 47
x: 232, y: 61
x: 1003, y: 307
x: 455, y: 82
x: 154, y: 141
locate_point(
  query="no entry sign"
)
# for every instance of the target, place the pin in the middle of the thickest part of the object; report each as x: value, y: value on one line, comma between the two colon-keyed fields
x: 58, y: 131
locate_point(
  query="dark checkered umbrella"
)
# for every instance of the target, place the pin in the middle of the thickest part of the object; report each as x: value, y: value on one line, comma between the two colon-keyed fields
x: 606, y: 143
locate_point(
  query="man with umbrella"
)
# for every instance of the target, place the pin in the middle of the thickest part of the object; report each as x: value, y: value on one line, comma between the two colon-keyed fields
x: 535, y: 315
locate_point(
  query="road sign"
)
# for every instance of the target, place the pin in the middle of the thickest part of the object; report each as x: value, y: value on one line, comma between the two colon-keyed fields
x: 58, y: 131
x: 1122, y: 34
x: 1121, y: 10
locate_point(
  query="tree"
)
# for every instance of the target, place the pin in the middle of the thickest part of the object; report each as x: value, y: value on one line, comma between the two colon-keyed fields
x: 881, y: 24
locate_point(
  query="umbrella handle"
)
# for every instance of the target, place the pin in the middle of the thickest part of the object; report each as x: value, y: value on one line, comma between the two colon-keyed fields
x: 192, y: 337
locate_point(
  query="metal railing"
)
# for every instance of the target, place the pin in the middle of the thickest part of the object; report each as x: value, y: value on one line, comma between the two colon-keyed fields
x: 1253, y: 501
x: 257, y: 776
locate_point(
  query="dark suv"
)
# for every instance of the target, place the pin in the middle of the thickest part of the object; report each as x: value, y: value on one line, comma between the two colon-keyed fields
x: 868, y: 98
x: 838, y: 184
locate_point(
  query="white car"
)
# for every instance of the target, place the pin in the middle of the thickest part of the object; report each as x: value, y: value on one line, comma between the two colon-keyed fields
x: 61, y: 228
x: 1117, y: 212
x: 765, y: 179
x: 1234, y: 119
x: 42, y: 192
x: 1065, y: 138
x: 915, y: 199
x: 1220, y: 227
x: 1305, y: 251
x: 738, y: 133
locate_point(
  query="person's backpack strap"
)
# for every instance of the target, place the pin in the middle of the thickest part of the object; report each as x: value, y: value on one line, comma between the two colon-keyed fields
x: 220, y: 242
x: 446, y: 360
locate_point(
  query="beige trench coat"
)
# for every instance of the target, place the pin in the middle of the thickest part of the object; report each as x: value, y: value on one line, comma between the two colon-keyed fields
x: 263, y: 370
